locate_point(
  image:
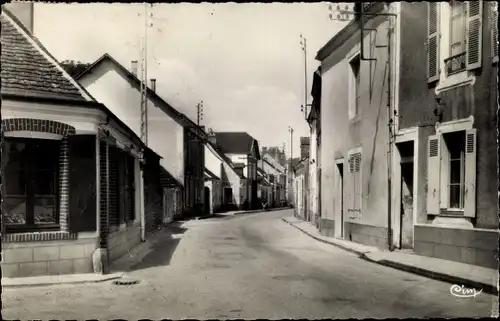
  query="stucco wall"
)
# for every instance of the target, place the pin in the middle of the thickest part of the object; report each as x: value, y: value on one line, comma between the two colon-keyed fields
x: 165, y: 136
x: 212, y: 162
x: 417, y: 102
x: 369, y: 131
x: 312, y: 181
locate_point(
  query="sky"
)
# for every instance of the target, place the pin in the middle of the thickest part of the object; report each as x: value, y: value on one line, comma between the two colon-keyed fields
x: 244, y: 61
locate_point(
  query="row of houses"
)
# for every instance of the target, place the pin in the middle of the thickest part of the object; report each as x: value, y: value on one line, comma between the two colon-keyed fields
x: 82, y: 181
x: 403, y: 134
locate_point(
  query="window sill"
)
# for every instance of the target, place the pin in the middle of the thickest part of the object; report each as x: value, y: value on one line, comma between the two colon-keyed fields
x: 38, y: 236
x: 455, y: 80
x: 446, y: 212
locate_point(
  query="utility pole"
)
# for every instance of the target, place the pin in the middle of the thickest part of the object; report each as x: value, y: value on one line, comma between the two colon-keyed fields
x: 303, y: 44
x: 144, y: 78
x: 199, y: 112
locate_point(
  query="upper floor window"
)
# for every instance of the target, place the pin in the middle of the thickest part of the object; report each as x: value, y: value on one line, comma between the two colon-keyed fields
x: 354, y: 84
x: 454, y: 38
x: 457, y: 28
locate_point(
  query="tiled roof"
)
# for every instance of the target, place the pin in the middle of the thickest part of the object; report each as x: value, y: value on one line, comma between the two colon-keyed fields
x: 25, y: 70
x: 234, y: 143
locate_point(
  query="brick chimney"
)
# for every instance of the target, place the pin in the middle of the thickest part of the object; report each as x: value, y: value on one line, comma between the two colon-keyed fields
x: 264, y: 151
x: 134, y: 67
x: 23, y: 11
x: 304, y: 147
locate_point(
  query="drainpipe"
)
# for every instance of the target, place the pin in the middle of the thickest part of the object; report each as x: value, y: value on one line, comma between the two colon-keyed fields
x: 390, y: 123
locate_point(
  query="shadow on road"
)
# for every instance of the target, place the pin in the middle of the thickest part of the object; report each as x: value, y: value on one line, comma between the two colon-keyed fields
x: 163, y: 248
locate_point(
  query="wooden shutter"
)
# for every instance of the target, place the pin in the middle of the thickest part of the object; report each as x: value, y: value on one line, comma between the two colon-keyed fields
x: 494, y: 31
x: 433, y: 173
x: 474, y: 34
x: 433, y: 39
x: 358, y: 189
x: 349, y: 186
x: 470, y: 173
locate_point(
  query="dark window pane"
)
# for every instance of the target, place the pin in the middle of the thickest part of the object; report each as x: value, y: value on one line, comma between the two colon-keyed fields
x: 46, y: 154
x: 45, y: 210
x: 455, y: 196
x: 45, y: 182
x: 15, y: 210
x: 455, y: 169
x: 15, y: 182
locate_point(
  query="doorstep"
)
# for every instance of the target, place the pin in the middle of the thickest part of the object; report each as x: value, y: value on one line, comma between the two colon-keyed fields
x: 58, y: 279
x: 444, y: 270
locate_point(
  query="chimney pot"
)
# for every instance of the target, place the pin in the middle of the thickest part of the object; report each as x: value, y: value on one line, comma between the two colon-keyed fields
x: 153, y: 85
x: 134, y: 66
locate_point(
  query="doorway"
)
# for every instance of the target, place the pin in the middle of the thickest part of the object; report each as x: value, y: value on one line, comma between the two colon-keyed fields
x: 340, y: 197
x: 406, y: 194
x: 207, y: 200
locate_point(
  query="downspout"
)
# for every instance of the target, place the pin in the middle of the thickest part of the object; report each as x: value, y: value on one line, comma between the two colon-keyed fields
x: 390, y: 122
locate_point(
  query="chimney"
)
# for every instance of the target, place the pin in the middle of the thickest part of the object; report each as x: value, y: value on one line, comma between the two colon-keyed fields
x: 153, y: 85
x: 211, y: 137
x: 23, y: 11
x: 133, y: 67
x: 304, y: 147
x: 264, y: 151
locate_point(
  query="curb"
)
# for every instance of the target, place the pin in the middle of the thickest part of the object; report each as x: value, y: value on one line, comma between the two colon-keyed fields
x: 345, y: 248
x: 262, y: 211
x: 29, y: 285
x: 487, y: 288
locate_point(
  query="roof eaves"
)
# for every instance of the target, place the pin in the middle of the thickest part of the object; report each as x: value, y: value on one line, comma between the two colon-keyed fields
x: 174, y: 113
x: 85, y: 94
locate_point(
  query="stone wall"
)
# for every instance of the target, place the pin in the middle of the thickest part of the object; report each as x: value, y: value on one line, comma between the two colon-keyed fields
x: 123, y: 240
x: 48, y: 258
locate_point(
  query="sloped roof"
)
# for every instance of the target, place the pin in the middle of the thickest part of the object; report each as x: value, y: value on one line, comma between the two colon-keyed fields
x: 179, y: 117
x: 210, y: 175
x: 215, y: 149
x: 28, y: 69
x: 234, y: 142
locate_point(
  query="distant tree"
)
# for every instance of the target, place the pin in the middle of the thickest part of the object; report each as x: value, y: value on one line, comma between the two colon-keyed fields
x: 74, y: 68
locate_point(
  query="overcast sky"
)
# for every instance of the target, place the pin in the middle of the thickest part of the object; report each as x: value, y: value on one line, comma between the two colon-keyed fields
x: 243, y: 60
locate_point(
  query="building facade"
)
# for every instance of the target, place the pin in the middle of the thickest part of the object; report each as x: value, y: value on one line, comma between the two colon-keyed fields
x: 443, y: 159
x: 70, y: 167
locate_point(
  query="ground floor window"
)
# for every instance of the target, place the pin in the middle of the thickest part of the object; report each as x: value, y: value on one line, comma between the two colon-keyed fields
x: 455, y: 145
x: 31, y: 178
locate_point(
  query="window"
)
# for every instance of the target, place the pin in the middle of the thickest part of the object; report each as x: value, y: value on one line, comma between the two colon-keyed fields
x: 353, y: 190
x: 355, y: 67
x: 494, y: 31
x: 457, y: 27
x: 455, y: 143
x: 454, y: 37
x: 451, y: 177
x: 31, y: 183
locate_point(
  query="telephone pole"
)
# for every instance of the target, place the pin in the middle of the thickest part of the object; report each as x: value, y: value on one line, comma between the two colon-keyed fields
x: 290, y: 129
x: 199, y: 112
x: 144, y: 78
x: 303, y: 44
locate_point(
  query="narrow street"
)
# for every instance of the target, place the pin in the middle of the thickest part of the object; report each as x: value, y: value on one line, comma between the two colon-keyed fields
x: 253, y: 266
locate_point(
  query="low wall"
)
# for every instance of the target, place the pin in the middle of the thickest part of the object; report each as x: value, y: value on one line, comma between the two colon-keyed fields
x: 123, y: 240
x: 327, y: 227
x: 366, y: 234
x: 48, y: 258
x: 471, y: 246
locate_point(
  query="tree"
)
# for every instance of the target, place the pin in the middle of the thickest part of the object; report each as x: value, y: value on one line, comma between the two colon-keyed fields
x: 74, y: 68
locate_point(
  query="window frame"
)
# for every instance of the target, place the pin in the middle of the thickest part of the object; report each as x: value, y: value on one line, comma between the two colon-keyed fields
x: 29, y: 196
x: 354, y: 85
x: 446, y: 152
x: 464, y: 27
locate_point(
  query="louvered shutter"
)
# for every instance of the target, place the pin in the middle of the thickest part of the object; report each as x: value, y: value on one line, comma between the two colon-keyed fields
x: 474, y: 34
x: 358, y: 189
x: 470, y: 173
x: 433, y: 39
x: 494, y: 31
x: 349, y: 187
x: 433, y: 174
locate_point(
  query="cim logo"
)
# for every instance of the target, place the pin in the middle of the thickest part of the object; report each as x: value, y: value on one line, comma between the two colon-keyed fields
x: 463, y: 292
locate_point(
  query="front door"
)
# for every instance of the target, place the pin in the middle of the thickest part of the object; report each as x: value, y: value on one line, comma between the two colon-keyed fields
x: 207, y: 200
x: 406, y: 205
x: 340, y: 197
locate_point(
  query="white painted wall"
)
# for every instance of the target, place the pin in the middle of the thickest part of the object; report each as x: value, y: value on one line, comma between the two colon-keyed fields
x: 212, y: 162
x: 165, y: 136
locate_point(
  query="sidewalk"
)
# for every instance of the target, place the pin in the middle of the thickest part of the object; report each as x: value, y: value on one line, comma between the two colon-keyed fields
x: 448, y: 271
x: 117, y: 269
x: 233, y: 213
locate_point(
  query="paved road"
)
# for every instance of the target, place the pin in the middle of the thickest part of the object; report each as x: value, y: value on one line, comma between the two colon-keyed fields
x: 254, y: 266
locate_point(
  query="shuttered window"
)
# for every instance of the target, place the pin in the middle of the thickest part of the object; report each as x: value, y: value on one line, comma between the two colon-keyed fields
x: 494, y: 31
x: 353, y: 186
x: 474, y: 34
x: 433, y: 39
x: 457, y: 27
x: 355, y: 81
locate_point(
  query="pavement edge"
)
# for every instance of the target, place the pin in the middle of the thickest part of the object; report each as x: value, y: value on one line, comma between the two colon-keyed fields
x: 116, y: 276
x: 487, y: 288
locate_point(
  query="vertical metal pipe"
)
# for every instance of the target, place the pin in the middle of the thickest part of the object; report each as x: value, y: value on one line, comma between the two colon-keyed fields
x: 389, y: 119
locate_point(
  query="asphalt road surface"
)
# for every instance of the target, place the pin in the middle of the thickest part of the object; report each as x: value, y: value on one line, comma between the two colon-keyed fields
x: 252, y: 266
